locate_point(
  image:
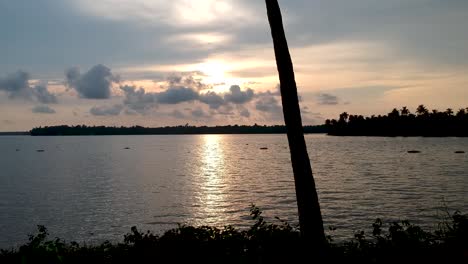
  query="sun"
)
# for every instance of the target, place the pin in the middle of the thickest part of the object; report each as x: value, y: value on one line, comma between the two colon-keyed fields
x: 215, y: 71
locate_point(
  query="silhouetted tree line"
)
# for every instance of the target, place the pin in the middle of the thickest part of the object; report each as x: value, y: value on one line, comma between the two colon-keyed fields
x: 402, y: 122
x: 168, y: 130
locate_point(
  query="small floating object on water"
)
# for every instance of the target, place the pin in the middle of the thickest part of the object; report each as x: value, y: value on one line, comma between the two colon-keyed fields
x: 17, y: 149
x: 414, y: 151
x: 126, y: 148
x: 459, y: 152
x: 40, y: 150
x: 264, y: 148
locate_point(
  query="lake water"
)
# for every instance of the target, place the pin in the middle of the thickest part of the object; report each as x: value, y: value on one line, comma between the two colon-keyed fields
x: 93, y: 188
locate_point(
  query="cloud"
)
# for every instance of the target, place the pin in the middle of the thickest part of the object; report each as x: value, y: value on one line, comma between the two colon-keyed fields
x: 43, y: 95
x: 177, y: 114
x: 107, y: 110
x: 141, y: 101
x: 43, y: 109
x: 187, y: 79
x: 138, y: 100
x: 199, y: 113
x: 94, y: 84
x: 244, y: 112
x: 212, y: 99
x: 268, y: 104
x: 16, y: 85
x: 15, y: 82
x: 237, y: 96
x: 176, y: 95
x: 327, y: 99
x: 227, y: 110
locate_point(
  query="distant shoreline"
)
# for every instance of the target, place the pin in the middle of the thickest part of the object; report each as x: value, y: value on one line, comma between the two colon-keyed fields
x: 20, y: 133
x: 174, y: 130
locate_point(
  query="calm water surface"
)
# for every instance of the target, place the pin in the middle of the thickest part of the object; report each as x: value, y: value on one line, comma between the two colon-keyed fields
x: 92, y: 188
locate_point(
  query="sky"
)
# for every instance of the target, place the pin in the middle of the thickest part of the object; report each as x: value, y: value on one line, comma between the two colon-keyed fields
x: 211, y: 62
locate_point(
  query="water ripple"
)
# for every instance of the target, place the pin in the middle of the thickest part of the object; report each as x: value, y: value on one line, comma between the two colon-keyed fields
x: 90, y: 189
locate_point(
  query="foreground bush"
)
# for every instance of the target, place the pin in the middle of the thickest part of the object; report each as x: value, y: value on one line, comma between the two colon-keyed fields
x: 262, y: 243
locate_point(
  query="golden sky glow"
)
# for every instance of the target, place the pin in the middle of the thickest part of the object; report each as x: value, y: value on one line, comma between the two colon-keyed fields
x: 375, y: 56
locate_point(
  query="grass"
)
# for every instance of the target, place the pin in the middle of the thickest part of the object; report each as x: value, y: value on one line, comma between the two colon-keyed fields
x: 263, y: 242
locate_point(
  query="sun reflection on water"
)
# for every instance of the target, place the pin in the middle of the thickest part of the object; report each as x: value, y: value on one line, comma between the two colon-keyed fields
x: 212, y: 173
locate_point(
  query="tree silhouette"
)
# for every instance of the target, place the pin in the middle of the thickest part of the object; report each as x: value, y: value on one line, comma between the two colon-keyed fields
x: 434, y: 123
x: 422, y: 110
x: 344, y: 117
x: 310, y: 217
x: 449, y: 111
x: 405, y: 111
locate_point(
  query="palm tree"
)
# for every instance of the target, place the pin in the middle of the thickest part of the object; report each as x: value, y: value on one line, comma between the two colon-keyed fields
x: 310, y: 217
x: 422, y: 110
x: 461, y: 112
x: 344, y: 117
x: 395, y: 113
x: 449, y: 111
x: 405, y: 111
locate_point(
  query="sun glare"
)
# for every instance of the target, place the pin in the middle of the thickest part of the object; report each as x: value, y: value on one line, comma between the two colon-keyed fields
x: 213, y: 70
x: 212, y: 171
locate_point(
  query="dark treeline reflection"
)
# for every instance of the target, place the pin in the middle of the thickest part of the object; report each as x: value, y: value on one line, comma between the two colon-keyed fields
x: 402, y: 122
x: 174, y: 130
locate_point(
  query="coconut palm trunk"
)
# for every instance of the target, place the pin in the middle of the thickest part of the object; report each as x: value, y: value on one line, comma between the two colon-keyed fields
x: 310, y: 217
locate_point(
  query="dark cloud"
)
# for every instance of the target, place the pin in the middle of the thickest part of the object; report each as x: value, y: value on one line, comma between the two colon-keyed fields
x: 138, y: 100
x: 107, y: 110
x: 43, y: 109
x: 141, y: 101
x: 237, y: 96
x: 43, y: 95
x: 187, y: 79
x: 94, y: 84
x: 16, y: 85
x: 212, y: 99
x: 176, y: 95
x: 268, y: 104
x: 327, y: 99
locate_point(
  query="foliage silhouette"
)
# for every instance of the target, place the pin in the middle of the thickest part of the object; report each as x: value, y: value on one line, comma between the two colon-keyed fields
x: 263, y: 242
x: 402, y: 123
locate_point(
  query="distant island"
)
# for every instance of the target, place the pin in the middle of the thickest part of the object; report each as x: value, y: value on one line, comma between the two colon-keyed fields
x: 82, y: 130
x: 402, y: 123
